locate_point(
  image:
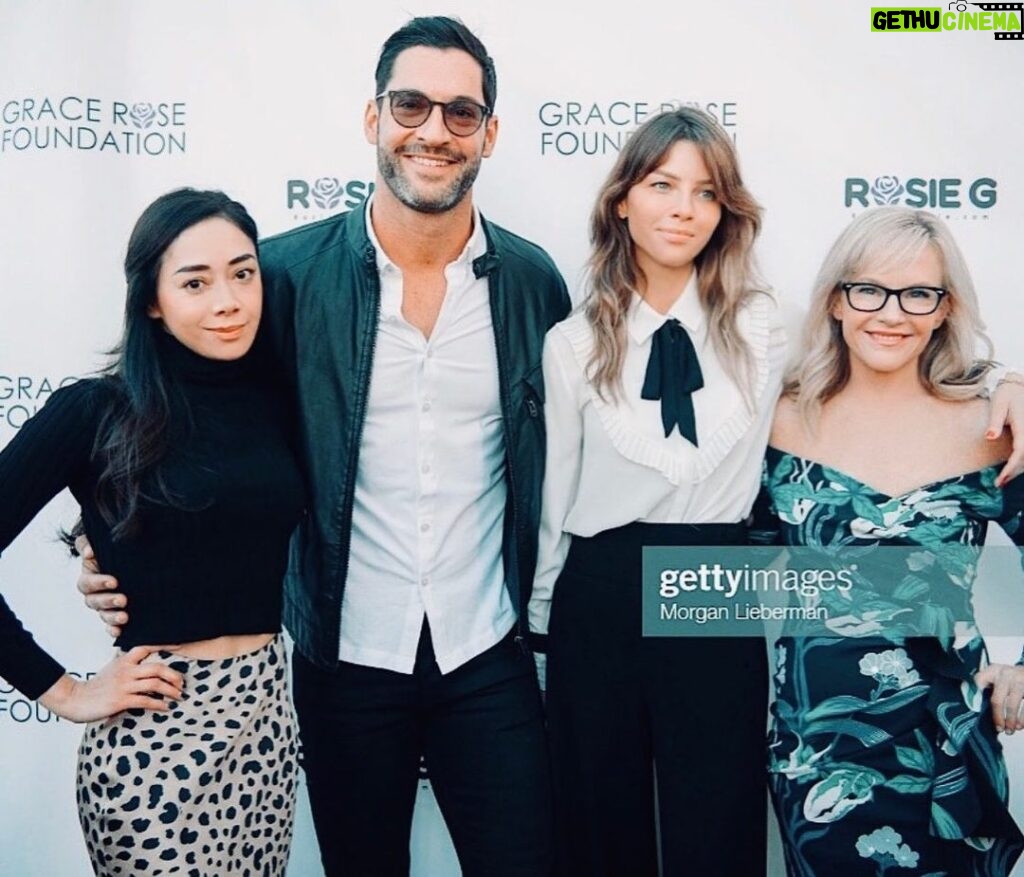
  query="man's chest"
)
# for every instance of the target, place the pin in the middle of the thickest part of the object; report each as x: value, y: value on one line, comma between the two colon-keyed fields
x: 451, y: 376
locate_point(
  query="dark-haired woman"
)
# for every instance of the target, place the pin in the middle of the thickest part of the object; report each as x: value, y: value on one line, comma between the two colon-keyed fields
x: 181, y: 461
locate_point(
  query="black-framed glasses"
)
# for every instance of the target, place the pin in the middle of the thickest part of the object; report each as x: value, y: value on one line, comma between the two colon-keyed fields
x: 411, y: 109
x: 917, y: 301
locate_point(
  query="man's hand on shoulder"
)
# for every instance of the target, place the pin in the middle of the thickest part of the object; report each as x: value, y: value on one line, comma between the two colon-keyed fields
x: 1007, y: 409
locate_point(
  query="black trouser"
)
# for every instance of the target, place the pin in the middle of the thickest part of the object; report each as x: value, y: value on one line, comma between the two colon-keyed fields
x: 626, y: 711
x: 481, y: 730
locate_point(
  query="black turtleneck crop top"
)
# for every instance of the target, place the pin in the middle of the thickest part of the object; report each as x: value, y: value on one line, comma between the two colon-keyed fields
x: 210, y: 564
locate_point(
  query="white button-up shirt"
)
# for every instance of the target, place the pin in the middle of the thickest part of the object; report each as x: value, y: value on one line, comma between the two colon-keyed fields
x: 430, y: 487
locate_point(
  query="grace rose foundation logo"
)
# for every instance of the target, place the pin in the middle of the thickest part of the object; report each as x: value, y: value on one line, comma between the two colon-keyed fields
x: 953, y: 197
x: 92, y: 124
x: 578, y: 128
x: 142, y: 115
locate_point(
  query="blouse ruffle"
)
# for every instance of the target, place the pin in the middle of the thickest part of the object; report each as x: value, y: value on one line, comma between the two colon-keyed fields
x: 693, y: 464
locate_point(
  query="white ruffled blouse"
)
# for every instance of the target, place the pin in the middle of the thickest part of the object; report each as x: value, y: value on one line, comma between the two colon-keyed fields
x: 608, y: 460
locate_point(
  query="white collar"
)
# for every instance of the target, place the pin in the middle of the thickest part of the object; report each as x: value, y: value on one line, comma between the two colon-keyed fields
x: 643, y: 320
x: 475, y: 247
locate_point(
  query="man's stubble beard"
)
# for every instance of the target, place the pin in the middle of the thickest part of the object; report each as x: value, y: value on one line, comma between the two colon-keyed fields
x: 388, y: 164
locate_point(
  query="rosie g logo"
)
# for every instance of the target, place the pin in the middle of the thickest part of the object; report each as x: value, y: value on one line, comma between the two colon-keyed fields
x: 314, y: 199
x: 1003, y: 19
x: 971, y: 198
x: 92, y: 124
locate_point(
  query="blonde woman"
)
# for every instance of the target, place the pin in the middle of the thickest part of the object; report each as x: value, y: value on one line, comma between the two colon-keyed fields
x: 883, y: 752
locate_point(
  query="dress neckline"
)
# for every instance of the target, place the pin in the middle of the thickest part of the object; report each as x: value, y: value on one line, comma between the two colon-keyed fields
x: 887, y: 496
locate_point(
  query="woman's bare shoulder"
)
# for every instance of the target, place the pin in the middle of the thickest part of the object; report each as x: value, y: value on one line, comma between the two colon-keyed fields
x: 789, y: 430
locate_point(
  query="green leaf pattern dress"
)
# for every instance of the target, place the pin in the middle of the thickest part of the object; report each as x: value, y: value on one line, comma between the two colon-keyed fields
x: 882, y: 755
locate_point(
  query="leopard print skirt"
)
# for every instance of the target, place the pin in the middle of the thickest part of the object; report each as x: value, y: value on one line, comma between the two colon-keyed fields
x: 205, y: 788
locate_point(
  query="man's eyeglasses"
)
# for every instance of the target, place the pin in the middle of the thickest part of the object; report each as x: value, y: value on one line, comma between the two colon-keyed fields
x: 411, y: 109
x: 915, y: 300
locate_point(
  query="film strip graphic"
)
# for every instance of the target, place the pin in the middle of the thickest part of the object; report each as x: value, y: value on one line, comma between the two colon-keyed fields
x: 1002, y: 7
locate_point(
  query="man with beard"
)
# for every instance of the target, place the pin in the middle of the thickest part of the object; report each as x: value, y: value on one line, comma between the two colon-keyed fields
x: 415, y: 331
x: 412, y: 333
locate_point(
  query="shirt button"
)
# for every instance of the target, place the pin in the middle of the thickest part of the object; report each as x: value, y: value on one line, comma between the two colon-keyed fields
x: 426, y: 406
x: 430, y: 354
x: 425, y: 581
x: 425, y: 468
x: 424, y: 527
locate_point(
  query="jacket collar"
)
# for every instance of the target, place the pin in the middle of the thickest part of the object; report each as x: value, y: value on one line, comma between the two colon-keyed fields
x: 360, y: 242
x: 358, y: 239
x: 491, y: 258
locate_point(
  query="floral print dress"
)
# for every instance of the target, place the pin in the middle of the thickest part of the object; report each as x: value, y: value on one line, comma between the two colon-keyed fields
x: 882, y: 755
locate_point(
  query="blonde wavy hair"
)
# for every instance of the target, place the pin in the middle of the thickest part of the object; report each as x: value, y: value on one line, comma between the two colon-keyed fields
x: 725, y: 267
x: 879, y: 240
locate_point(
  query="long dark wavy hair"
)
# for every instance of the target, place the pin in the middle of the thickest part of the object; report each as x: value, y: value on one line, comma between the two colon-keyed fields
x: 134, y: 436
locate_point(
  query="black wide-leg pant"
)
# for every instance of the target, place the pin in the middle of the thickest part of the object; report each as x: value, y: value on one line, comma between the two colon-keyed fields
x: 627, y: 712
x: 481, y: 729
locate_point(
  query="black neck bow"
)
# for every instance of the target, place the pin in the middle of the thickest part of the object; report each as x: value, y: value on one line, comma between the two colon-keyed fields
x: 673, y: 375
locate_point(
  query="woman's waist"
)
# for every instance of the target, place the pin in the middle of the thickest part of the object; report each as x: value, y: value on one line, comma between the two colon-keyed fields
x: 172, y: 580
x: 220, y: 647
x: 198, y: 621
x: 620, y: 550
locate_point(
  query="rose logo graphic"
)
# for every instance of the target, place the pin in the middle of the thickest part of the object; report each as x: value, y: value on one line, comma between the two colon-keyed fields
x: 142, y: 115
x: 327, y: 192
x: 887, y: 190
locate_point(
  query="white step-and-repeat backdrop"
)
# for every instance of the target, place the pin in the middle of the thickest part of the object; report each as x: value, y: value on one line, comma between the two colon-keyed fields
x: 103, y: 106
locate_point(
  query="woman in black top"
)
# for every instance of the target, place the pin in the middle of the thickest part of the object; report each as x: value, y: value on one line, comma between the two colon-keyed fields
x: 181, y: 460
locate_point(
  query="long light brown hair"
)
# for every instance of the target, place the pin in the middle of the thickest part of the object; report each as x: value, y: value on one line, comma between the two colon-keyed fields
x: 878, y: 240
x: 724, y: 267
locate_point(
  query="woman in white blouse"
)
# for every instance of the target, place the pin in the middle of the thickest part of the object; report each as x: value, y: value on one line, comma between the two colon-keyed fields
x: 660, y: 393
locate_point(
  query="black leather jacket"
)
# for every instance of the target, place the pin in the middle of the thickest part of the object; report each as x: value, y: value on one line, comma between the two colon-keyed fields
x: 322, y: 305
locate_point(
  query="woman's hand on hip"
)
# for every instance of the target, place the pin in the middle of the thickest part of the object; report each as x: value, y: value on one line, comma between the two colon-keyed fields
x: 127, y: 682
